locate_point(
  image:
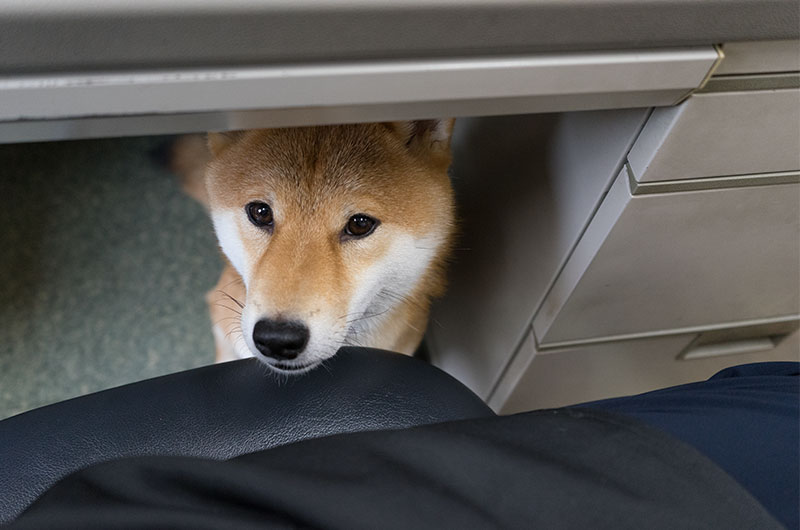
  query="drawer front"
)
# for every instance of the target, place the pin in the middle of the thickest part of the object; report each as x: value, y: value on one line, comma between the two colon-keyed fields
x: 677, y: 261
x: 587, y: 373
x: 720, y: 134
x: 760, y: 57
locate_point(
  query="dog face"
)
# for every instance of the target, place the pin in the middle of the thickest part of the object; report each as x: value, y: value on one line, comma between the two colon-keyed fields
x: 337, y: 232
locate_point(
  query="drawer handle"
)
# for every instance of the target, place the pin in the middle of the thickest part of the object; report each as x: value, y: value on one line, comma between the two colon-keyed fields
x: 701, y: 351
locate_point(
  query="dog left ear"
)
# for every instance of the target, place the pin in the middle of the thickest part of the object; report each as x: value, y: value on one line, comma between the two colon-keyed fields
x: 432, y: 135
x: 219, y: 141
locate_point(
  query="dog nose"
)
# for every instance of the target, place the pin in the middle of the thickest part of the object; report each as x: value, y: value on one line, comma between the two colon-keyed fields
x: 280, y: 339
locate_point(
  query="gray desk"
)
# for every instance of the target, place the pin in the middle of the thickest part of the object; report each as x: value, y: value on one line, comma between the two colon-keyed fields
x: 633, y: 238
x: 73, y: 69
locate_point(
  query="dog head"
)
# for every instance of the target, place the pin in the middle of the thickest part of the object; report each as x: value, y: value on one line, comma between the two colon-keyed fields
x: 338, y: 233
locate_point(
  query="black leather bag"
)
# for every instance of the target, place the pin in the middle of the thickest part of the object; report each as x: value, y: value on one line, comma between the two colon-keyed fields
x: 222, y: 411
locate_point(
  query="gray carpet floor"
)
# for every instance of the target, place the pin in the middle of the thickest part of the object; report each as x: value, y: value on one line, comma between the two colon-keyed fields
x: 103, y: 270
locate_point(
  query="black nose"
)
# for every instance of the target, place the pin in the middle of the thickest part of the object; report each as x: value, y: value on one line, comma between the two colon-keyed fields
x: 280, y: 339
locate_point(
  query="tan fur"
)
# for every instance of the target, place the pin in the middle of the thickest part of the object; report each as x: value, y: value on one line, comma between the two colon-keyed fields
x: 315, y: 178
x: 188, y: 160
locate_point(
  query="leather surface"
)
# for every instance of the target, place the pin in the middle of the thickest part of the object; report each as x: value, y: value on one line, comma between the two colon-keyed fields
x: 221, y: 411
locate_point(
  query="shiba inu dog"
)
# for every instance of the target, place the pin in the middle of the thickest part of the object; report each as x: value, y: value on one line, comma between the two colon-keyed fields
x: 333, y: 235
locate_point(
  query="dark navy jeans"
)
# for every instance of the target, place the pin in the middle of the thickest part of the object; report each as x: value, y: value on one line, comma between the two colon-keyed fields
x: 745, y: 418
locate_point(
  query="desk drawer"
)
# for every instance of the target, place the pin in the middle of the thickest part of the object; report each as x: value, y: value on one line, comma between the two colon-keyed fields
x: 672, y: 262
x: 537, y: 380
x: 720, y: 134
x: 760, y: 57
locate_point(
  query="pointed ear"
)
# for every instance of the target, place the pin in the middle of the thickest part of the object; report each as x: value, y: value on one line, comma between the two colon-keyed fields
x: 431, y: 135
x: 219, y: 141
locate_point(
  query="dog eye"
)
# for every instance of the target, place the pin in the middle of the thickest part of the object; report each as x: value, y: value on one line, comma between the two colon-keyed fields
x: 260, y: 214
x: 359, y: 225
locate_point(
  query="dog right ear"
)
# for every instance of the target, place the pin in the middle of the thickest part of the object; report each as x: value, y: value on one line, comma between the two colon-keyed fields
x: 429, y: 135
x: 219, y: 141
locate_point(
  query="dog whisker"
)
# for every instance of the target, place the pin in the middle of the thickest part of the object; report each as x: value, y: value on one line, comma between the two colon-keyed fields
x: 237, y: 280
x: 231, y: 298
x: 231, y: 332
x: 327, y: 368
x: 229, y: 308
x: 225, y: 319
x: 409, y: 324
x: 400, y: 298
x: 371, y: 315
x: 347, y: 315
